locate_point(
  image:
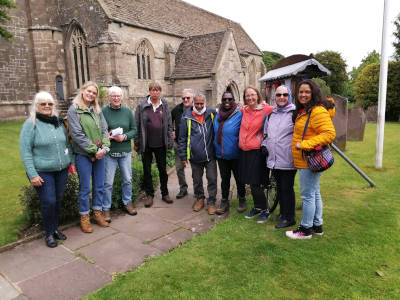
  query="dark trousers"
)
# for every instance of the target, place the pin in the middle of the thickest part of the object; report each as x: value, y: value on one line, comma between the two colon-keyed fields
x: 211, y: 175
x: 285, y: 192
x: 226, y: 168
x: 257, y: 191
x: 161, y: 160
x: 50, y: 195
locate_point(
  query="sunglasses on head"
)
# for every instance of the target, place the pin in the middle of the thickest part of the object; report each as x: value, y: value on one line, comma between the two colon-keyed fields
x: 280, y: 95
x: 227, y: 99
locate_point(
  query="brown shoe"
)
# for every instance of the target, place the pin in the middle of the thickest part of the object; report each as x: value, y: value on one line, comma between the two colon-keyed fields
x: 211, y: 210
x: 107, y: 216
x: 99, y: 219
x: 85, y: 224
x: 149, y: 201
x: 167, y: 199
x: 198, y: 205
x: 130, y: 209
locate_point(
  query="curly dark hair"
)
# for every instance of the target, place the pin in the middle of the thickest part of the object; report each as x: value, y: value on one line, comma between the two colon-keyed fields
x: 317, y: 97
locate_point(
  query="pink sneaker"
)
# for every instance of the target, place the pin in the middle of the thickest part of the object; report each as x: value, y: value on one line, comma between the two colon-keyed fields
x: 301, y: 233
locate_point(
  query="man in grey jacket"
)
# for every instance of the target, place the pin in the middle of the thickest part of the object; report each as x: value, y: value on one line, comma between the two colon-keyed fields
x: 154, y: 135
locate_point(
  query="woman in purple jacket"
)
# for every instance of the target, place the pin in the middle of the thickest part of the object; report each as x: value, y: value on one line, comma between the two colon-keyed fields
x: 278, y: 132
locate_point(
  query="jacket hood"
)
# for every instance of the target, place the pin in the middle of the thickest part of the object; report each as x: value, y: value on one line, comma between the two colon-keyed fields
x: 287, y: 108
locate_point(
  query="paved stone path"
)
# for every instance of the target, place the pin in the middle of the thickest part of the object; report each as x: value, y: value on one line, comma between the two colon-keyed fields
x: 85, y: 263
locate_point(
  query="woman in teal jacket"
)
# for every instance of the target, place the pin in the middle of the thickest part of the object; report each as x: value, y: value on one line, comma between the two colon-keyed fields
x: 226, y: 143
x: 46, y: 154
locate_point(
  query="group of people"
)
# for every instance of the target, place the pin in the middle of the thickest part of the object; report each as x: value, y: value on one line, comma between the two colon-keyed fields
x: 248, y: 141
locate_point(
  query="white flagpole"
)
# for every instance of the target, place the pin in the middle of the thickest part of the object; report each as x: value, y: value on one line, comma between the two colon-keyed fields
x: 380, y: 124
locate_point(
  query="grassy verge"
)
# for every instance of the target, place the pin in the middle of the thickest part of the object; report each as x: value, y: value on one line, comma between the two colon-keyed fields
x: 240, y: 259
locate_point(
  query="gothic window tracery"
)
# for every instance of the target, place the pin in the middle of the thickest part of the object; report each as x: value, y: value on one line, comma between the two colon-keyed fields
x: 80, y: 60
x: 143, y: 60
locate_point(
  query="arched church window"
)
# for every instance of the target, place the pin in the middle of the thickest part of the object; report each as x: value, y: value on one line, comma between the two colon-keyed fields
x: 80, y: 60
x: 143, y: 60
x: 59, y: 88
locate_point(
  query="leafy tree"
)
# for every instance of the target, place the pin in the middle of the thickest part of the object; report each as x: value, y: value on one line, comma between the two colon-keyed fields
x: 396, y: 43
x: 366, y: 88
x: 4, y: 5
x: 323, y: 86
x: 372, y: 57
x: 336, y: 64
x: 271, y: 58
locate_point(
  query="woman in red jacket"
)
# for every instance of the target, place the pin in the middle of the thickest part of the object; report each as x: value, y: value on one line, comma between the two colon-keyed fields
x: 252, y: 168
x: 310, y: 103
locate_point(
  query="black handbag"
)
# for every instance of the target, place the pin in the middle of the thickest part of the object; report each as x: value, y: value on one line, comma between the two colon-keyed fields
x: 320, y: 158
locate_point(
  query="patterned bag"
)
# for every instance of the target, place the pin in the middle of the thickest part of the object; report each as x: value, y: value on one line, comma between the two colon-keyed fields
x: 320, y: 158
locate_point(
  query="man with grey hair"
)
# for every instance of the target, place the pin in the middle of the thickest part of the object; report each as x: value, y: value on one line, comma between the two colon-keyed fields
x: 195, y: 143
x: 176, y: 114
x: 122, y: 128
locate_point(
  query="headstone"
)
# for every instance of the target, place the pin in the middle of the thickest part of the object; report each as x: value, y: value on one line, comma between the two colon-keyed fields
x: 356, y: 124
x: 340, y: 121
x: 372, y: 114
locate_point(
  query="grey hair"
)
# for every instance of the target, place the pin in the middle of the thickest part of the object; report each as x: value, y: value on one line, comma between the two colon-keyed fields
x: 39, y: 97
x: 115, y: 90
x: 199, y: 95
x: 190, y: 91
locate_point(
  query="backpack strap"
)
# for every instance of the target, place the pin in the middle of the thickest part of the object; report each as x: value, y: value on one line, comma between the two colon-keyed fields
x: 189, y: 124
x: 305, y: 126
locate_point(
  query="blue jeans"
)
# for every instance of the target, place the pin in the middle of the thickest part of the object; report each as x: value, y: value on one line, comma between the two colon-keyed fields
x: 50, y: 195
x: 311, y: 196
x: 125, y: 168
x: 88, y: 170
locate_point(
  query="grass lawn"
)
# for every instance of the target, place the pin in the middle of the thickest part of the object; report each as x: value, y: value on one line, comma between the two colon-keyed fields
x: 240, y: 259
x: 12, y: 178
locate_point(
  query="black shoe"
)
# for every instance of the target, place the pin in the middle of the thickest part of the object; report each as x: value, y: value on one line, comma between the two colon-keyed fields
x: 181, y: 194
x: 263, y: 217
x: 278, y: 218
x: 242, y: 205
x: 223, y: 207
x: 285, y: 223
x: 252, y: 213
x: 59, y: 235
x: 51, y: 242
x: 317, y: 230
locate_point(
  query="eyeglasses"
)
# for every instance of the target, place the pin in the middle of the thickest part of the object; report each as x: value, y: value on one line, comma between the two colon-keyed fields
x: 188, y: 98
x: 115, y: 96
x: 280, y: 95
x: 227, y: 99
x: 46, y: 103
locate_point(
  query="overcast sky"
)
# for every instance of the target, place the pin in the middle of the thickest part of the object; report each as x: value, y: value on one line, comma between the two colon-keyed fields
x: 350, y: 27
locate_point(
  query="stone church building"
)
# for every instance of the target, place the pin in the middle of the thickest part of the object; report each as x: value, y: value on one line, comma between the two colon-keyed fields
x: 59, y: 44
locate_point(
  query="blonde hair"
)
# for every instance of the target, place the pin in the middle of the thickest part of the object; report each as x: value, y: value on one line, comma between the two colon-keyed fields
x: 39, y: 97
x: 78, y: 100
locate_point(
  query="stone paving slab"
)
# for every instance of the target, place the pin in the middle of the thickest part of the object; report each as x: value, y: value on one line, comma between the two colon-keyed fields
x: 119, y: 253
x: 70, y: 281
x: 7, y: 291
x: 201, y: 222
x: 172, y: 240
x: 144, y: 227
x: 31, y: 259
x: 77, y: 239
x: 172, y: 214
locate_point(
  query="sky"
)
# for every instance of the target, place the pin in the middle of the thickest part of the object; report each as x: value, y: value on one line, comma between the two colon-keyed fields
x: 351, y: 27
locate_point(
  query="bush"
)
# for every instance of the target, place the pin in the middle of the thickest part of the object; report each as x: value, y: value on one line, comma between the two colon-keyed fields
x: 70, y: 207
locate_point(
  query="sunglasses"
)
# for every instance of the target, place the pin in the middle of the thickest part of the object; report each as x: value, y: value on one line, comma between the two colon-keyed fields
x: 184, y: 98
x: 46, y: 103
x: 280, y: 95
x: 227, y: 99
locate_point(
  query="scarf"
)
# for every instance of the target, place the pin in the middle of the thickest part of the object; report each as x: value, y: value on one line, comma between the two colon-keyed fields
x: 199, y: 112
x: 49, y: 119
x: 223, y: 116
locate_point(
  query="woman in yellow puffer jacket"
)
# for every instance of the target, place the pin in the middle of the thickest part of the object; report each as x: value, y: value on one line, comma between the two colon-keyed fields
x: 320, y: 132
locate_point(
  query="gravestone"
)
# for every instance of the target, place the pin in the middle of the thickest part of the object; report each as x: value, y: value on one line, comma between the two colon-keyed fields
x: 356, y: 124
x: 372, y: 114
x: 340, y: 121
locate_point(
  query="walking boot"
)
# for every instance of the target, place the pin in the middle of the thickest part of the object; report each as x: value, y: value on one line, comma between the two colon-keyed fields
x: 85, y: 224
x: 99, y: 219
x: 199, y: 204
x: 242, y: 205
x: 223, y: 207
x: 107, y: 216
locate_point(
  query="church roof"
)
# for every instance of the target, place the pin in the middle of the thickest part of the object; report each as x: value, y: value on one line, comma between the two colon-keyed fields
x: 177, y: 18
x: 196, y: 55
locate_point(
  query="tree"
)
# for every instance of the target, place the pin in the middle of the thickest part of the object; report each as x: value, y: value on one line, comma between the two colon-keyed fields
x: 366, y: 88
x: 4, y: 18
x: 336, y: 64
x: 396, y: 43
x: 271, y: 58
x: 372, y: 57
